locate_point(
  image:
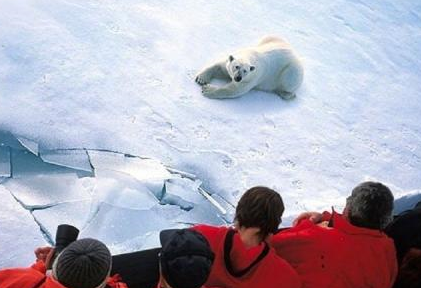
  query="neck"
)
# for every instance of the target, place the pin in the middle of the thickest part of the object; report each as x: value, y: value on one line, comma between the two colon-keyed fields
x: 249, y: 236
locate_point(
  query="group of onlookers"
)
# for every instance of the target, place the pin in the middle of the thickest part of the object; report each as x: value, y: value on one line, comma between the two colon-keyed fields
x: 362, y: 247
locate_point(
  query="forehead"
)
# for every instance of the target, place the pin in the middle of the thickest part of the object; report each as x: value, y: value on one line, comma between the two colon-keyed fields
x: 239, y: 63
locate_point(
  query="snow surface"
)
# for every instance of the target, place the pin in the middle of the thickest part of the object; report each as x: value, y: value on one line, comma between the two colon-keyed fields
x: 118, y: 76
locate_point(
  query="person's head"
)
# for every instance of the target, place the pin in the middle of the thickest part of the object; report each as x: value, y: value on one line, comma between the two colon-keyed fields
x: 409, y: 275
x: 85, y: 263
x: 370, y: 206
x: 262, y: 208
x: 185, y: 260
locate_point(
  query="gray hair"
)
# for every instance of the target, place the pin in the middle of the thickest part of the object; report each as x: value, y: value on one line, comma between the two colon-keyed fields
x: 370, y: 205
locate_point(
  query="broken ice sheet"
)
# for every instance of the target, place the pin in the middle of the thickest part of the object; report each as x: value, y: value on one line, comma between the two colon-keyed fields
x: 184, y: 188
x: 5, y: 169
x: 25, y: 163
x: 122, y: 190
x: 115, y: 225
x: 148, y: 240
x: 30, y: 145
x: 72, y: 158
x: 19, y: 234
x: 171, y: 199
x: 227, y: 207
x: 121, y: 203
x: 141, y: 169
x: 76, y: 213
x: 47, y: 189
x: 8, y: 140
x: 203, y: 213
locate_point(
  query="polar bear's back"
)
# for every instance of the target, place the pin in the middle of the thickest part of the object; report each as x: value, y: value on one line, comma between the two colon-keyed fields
x: 275, y: 48
x: 274, y: 41
x: 277, y: 55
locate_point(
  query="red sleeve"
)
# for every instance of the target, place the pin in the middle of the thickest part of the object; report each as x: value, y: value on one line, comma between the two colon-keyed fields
x: 23, y: 277
x: 39, y: 266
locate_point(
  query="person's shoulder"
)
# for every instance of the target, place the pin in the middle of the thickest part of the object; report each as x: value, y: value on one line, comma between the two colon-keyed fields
x: 203, y: 228
x: 304, y: 229
x: 387, y: 241
x: 214, y: 234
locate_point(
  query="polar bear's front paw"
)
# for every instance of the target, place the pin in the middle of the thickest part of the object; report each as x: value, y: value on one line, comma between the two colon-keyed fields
x: 202, y: 79
x: 208, y: 90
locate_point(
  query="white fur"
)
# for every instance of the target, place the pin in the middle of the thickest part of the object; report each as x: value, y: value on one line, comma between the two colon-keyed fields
x: 270, y: 66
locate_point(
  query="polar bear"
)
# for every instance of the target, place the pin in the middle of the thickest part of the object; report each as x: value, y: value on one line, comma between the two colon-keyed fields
x: 270, y: 66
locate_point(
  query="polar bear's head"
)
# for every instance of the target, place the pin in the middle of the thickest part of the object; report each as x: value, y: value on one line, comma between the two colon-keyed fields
x: 238, y: 70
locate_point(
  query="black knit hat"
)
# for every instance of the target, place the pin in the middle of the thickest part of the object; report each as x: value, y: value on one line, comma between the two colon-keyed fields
x: 83, y: 264
x: 186, y: 258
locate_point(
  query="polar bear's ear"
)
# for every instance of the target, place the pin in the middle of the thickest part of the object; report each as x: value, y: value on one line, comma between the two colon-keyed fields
x: 252, y: 68
x: 231, y: 58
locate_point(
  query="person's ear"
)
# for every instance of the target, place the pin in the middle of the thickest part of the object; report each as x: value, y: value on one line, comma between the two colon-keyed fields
x: 236, y: 225
x: 345, y: 212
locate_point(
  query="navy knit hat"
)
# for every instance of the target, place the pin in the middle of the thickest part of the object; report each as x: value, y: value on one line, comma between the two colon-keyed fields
x: 186, y: 258
x: 84, y: 263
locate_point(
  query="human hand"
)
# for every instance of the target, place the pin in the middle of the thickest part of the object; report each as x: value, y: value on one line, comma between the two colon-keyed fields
x: 41, y: 253
x: 314, y: 217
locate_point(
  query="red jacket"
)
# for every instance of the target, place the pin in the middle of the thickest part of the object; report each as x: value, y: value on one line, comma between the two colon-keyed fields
x: 339, y: 256
x: 35, y: 277
x: 270, y: 272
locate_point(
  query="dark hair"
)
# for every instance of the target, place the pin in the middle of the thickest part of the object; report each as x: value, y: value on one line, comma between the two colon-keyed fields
x: 262, y: 208
x: 370, y: 205
x: 410, y: 271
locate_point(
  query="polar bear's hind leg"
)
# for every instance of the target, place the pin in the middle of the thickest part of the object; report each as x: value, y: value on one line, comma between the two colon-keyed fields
x: 290, y: 80
x: 285, y: 95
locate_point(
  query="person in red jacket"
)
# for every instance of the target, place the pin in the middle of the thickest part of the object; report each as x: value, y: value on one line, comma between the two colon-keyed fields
x: 243, y: 258
x: 350, y: 250
x: 85, y: 263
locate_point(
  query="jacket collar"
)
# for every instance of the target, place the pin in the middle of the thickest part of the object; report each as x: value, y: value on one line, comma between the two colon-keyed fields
x: 339, y: 222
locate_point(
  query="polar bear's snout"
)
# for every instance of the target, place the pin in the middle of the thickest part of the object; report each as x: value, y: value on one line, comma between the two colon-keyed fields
x: 237, y: 77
